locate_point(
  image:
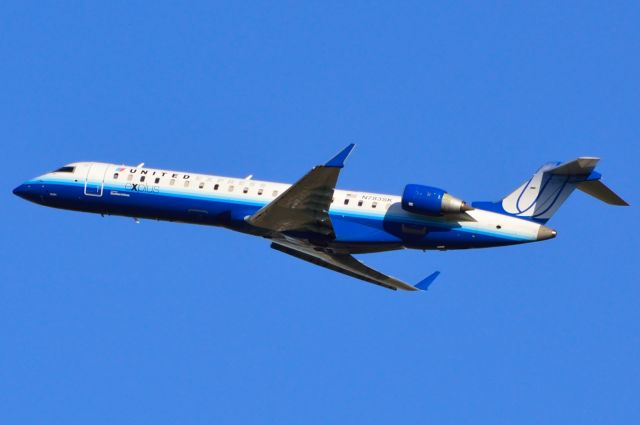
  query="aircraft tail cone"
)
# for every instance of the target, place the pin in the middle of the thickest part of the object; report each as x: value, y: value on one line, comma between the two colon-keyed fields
x: 545, y: 233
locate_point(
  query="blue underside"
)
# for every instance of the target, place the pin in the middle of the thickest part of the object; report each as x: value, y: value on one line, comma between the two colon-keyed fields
x: 351, y: 228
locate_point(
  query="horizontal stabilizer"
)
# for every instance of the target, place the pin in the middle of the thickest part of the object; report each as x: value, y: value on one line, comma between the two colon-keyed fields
x: 580, y: 166
x: 599, y: 190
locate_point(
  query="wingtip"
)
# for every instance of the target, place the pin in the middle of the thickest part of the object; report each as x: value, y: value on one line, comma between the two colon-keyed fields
x: 338, y: 160
x: 424, y: 283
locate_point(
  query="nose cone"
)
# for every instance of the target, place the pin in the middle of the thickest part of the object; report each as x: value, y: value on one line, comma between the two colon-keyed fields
x: 546, y: 233
x: 21, y: 191
x: 30, y: 192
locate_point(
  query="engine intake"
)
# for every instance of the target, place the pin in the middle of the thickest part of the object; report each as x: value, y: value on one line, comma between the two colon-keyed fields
x: 431, y: 201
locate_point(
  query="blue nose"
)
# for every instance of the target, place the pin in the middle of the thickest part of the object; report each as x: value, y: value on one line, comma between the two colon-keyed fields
x: 21, y: 190
x: 30, y: 192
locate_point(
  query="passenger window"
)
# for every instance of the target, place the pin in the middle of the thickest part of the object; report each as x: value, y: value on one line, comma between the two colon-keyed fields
x: 274, y: 193
x: 142, y: 178
x: 259, y: 191
x: 157, y: 180
x: 216, y: 186
x: 245, y: 190
x: 130, y: 177
x: 201, y: 185
x: 359, y: 203
x: 172, y: 182
x: 115, y: 176
x: 186, y: 183
x: 231, y: 188
x: 346, y: 202
x: 374, y: 204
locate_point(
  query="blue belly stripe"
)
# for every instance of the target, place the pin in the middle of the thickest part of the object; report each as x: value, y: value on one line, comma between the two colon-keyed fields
x: 229, y: 211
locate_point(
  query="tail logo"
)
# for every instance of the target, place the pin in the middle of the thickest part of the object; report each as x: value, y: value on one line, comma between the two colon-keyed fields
x: 540, y: 196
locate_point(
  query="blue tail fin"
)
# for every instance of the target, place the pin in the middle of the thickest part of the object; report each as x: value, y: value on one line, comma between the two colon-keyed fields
x: 539, y: 198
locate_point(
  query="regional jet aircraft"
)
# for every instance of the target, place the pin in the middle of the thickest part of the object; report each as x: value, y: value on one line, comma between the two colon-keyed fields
x: 314, y: 221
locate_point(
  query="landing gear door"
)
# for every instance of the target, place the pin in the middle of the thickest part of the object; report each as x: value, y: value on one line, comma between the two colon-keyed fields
x: 94, y: 181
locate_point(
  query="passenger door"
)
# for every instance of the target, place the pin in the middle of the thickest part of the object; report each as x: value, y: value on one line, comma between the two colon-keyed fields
x: 94, y: 181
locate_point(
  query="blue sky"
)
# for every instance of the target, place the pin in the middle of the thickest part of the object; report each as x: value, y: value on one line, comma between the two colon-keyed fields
x: 105, y: 321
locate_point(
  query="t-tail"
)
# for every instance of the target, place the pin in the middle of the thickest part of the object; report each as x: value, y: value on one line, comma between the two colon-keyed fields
x: 539, y: 198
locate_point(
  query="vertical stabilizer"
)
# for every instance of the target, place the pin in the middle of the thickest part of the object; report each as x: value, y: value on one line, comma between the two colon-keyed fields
x: 538, y: 198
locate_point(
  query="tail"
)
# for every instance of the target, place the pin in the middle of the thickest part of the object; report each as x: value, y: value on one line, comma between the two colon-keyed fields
x: 539, y: 198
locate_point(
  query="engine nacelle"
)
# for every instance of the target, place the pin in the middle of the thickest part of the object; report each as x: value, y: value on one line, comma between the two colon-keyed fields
x: 431, y: 201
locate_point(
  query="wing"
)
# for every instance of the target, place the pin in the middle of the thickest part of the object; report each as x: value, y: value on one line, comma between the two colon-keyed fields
x: 304, y: 207
x: 347, y: 264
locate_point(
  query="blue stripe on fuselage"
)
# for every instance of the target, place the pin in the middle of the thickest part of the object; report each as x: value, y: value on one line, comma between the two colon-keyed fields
x: 230, y: 211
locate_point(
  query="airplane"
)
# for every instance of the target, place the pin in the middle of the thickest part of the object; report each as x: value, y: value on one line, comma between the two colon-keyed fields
x: 312, y: 220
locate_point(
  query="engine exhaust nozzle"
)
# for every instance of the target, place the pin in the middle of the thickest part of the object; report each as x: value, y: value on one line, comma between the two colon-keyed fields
x: 451, y: 204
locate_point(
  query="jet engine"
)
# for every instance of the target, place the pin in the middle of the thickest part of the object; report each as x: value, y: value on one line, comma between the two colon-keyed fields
x: 431, y: 201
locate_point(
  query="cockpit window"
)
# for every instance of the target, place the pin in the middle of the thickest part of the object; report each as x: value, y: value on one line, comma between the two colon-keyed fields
x: 65, y: 169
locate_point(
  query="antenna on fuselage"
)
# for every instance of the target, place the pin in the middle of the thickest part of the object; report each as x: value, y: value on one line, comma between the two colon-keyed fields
x: 249, y: 177
x: 140, y: 165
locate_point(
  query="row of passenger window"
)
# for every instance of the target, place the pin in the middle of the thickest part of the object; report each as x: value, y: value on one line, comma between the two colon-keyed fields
x: 374, y: 204
x: 230, y: 188
x: 187, y: 183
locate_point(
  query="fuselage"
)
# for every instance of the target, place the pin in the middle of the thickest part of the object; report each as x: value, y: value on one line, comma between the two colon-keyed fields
x: 363, y: 222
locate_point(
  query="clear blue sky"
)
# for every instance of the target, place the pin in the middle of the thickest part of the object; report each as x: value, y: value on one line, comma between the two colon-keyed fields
x: 103, y: 321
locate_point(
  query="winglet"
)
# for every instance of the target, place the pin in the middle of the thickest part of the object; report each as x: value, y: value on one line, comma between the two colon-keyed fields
x: 424, y: 284
x: 338, y: 160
